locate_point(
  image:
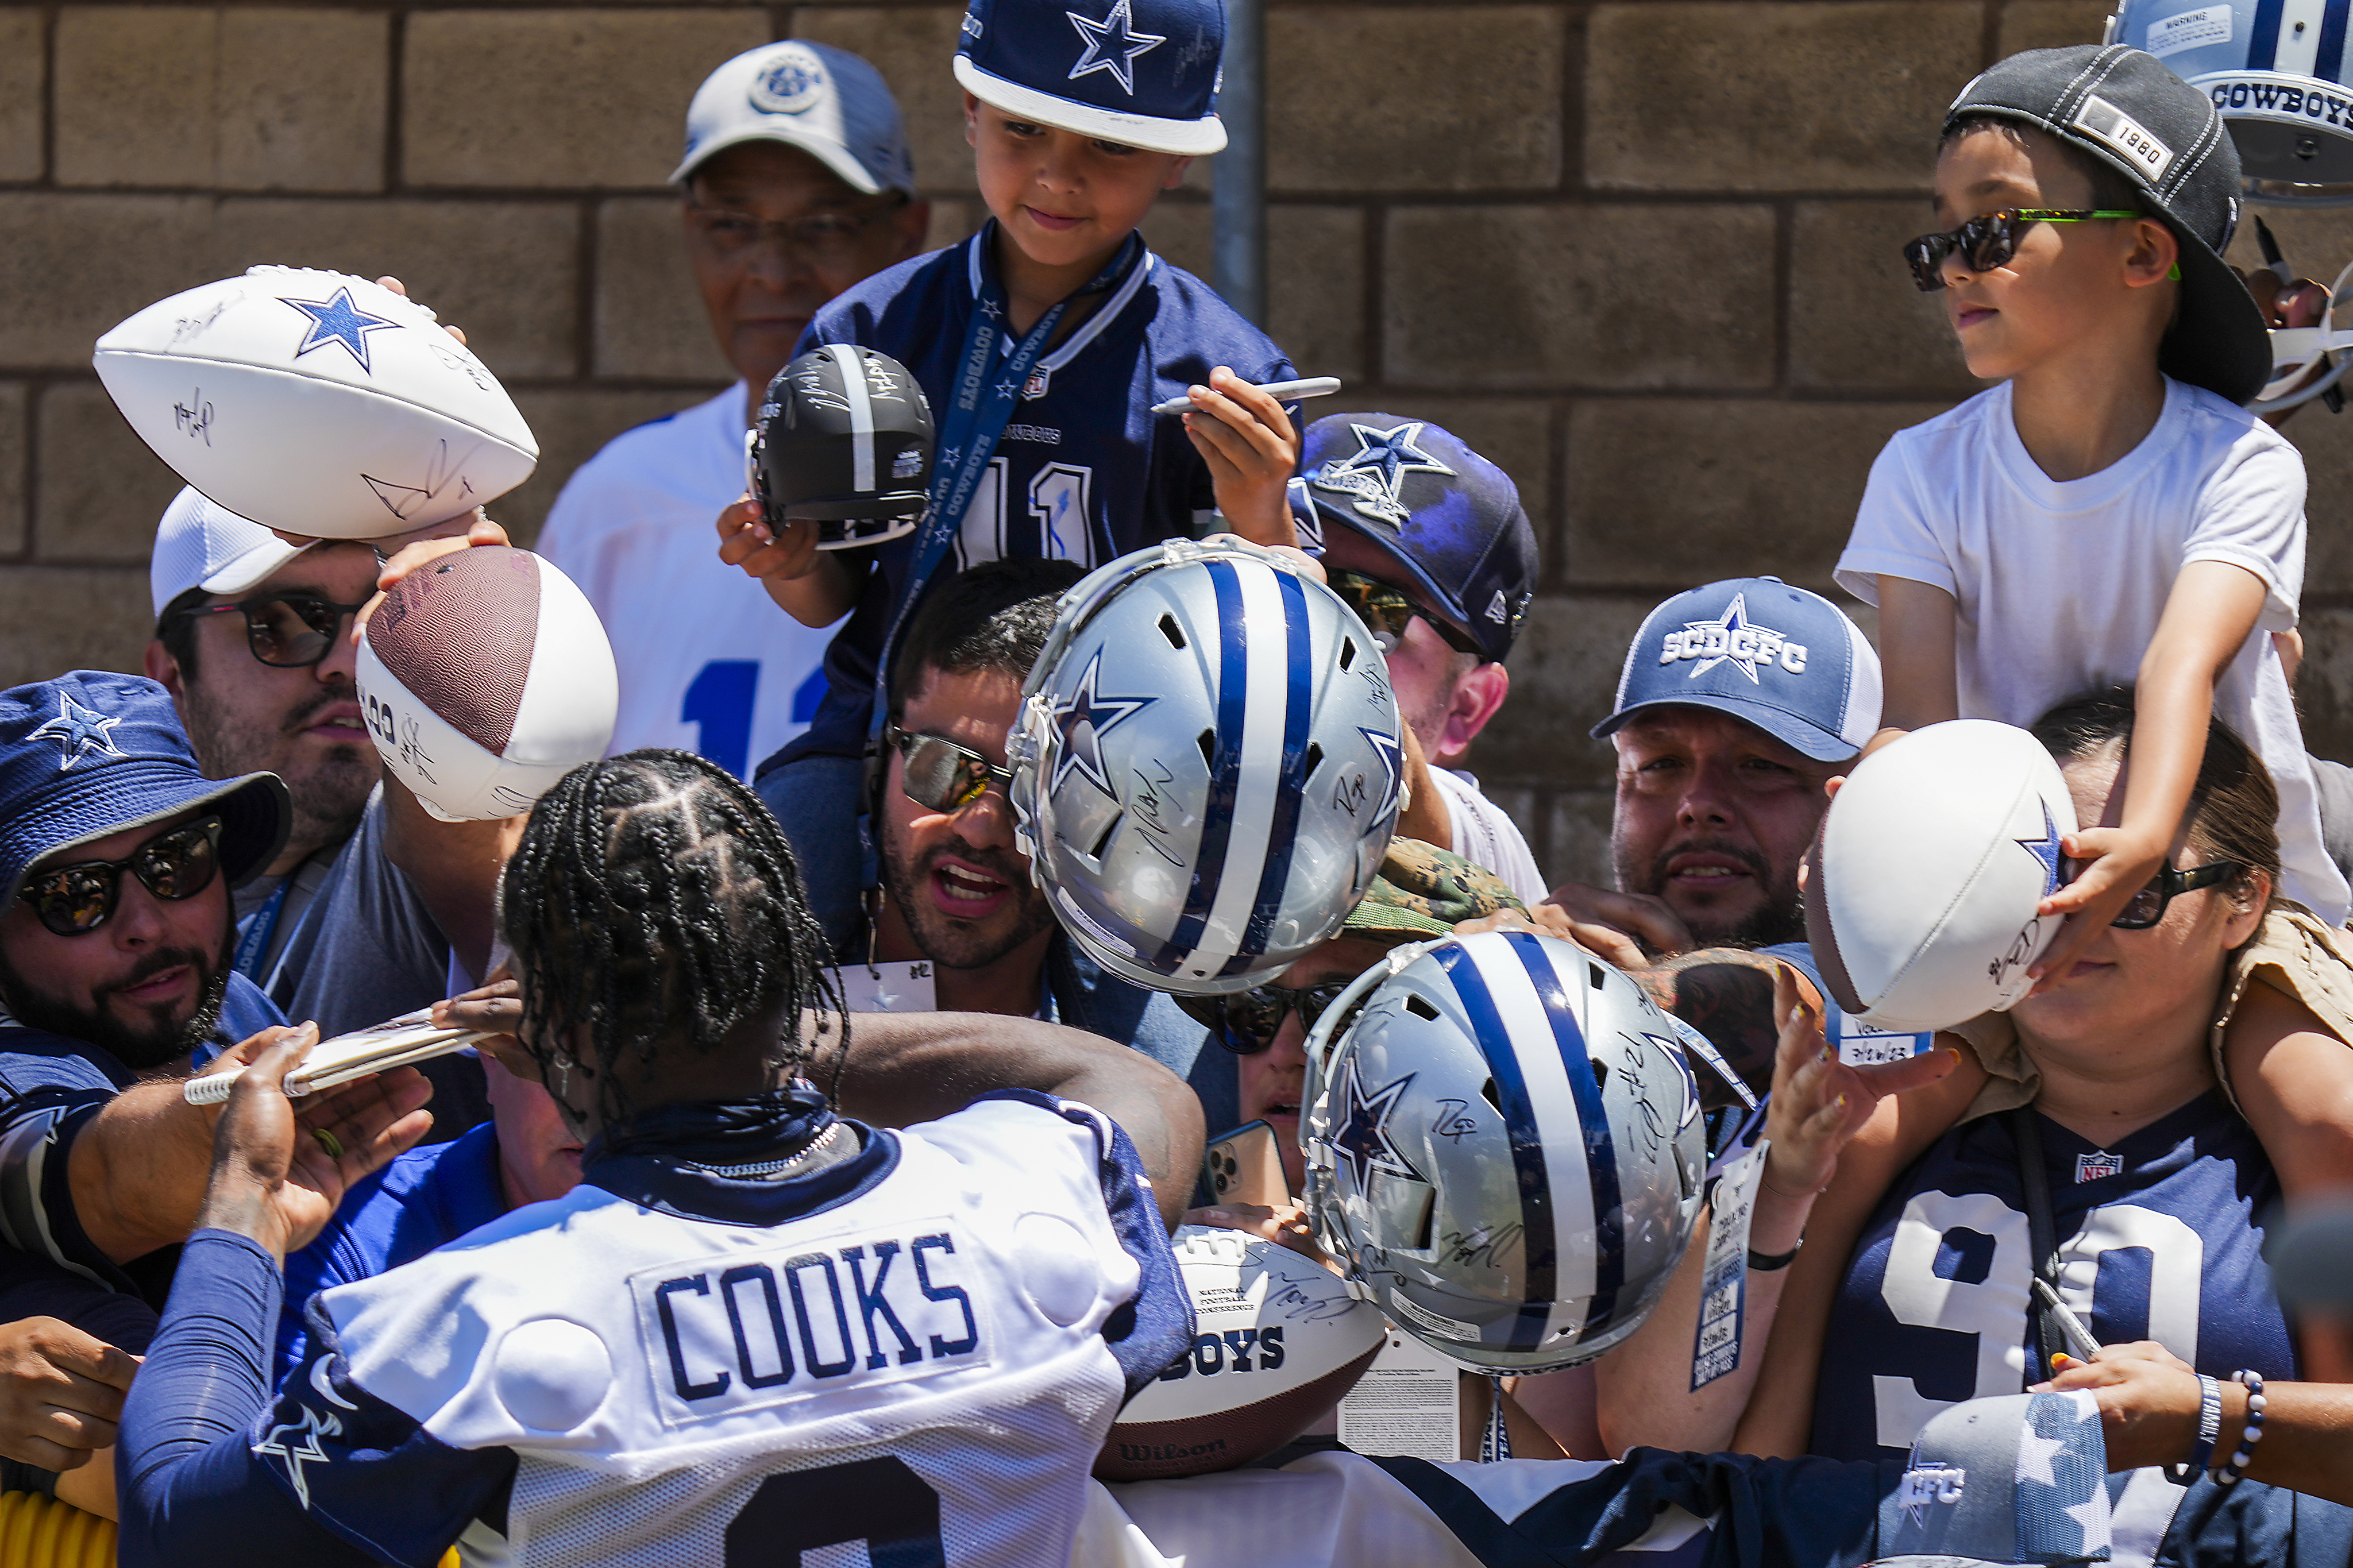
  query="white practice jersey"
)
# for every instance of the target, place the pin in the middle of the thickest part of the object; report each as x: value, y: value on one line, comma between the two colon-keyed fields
x: 708, y: 663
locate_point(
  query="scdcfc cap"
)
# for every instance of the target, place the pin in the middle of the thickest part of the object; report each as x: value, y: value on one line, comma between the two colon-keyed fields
x: 826, y: 101
x: 1786, y: 660
x: 1143, y: 73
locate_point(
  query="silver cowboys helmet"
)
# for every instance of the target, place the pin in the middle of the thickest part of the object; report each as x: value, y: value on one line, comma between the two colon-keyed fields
x: 1206, y: 767
x: 2277, y: 74
x: 1505, y: 1147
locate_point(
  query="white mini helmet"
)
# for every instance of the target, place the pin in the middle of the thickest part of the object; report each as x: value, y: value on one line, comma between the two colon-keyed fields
x: 2277, y: 74
x: 1504, y: 1148
x: 1206, y: 767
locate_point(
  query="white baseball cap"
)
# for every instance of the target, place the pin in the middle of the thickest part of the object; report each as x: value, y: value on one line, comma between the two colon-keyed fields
x: 203, y: 544
x: 826, y: 101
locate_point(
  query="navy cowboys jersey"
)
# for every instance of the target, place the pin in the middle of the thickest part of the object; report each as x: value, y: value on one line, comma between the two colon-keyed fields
x: 919, y: 1349
x: 2160, y: 1239
x: 1083, y: 471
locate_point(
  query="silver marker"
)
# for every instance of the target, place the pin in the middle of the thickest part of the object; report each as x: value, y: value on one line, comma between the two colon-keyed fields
x: 2069, y: 1323
x: 1314, y: 386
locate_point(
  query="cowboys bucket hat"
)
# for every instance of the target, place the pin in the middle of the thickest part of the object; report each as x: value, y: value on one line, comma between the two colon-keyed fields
x: 1143, y: 73
x: 92, y: 753
x: 2126, y: 109
x: 1451, y: 519
x: 829, y: 102
x: 1786, y: 660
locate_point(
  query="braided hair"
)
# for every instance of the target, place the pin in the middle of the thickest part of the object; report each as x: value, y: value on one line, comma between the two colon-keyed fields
x: 654, y: 907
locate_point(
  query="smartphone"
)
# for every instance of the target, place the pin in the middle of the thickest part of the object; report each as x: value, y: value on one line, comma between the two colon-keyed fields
x: 1245, y: 1166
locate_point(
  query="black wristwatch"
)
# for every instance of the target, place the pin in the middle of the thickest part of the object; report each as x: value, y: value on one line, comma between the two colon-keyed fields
x: 1758, y: 1263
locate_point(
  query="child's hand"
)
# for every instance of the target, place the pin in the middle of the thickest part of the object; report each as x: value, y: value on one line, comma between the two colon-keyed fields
x: 744, y: 540
x: 1252, y: 448
x: 2118, y: 863
x: 1821, y: 1102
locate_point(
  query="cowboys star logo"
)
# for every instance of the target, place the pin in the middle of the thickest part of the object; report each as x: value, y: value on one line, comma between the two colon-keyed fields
x: 1372, y: 473
x: 2045, y: 849
x: 80, y: 733
x: 1363, y: 1136
x: 1081, y: 720
x: 1113, y: 44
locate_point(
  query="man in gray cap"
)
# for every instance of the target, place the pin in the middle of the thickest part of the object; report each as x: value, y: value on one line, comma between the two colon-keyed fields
x: 797, y: 184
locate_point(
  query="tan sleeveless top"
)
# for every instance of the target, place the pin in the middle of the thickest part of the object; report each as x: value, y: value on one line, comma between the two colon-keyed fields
x: 2293, y: 952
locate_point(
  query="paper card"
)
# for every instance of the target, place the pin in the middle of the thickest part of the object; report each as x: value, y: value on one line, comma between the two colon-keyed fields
x: 887, y: 987
x: 1723, y: 1286
x: 1408, y: 1403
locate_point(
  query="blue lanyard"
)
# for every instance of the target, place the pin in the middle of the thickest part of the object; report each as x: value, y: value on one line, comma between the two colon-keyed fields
x: 253, y: 947
x: 979, y: 409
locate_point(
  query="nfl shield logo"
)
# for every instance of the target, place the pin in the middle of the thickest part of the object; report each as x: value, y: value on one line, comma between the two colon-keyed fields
x: 1035, y: 387
x: 2097, y: 1167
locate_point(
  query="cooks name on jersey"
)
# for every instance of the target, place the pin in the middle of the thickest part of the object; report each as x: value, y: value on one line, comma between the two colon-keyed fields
x: 785, y: 1325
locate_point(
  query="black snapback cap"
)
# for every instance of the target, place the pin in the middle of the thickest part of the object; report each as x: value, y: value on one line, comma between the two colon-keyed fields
x: 2125, y: 107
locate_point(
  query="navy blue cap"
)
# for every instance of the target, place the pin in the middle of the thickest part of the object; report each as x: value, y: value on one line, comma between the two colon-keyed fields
x: 1143, y: 73
x: 1451, y: 518
x: 92, y: 753
x: 1786, y: 660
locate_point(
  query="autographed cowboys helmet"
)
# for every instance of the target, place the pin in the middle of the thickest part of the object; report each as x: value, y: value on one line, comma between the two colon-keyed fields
x: 1207, y: 765
x: 844, y: 440
x: 1505, y: 1147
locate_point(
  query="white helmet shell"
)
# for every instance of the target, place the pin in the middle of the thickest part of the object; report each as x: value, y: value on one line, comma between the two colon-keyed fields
x: 2277, y: 74
x: 1504, y: 1148
x: 1207, y: 767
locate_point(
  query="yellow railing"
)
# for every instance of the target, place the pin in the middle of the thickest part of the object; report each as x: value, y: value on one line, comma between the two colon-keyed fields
x: 38, y: 1533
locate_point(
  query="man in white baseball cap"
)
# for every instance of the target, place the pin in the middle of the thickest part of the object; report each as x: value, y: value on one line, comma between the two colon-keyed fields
x: 797, y: 184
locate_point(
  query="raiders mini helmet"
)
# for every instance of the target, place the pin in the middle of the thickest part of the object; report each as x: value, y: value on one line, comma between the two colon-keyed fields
x: 844, y: 440
x: 2276, y: 74
x: 1207, y: 765
x: 1505, y: 1147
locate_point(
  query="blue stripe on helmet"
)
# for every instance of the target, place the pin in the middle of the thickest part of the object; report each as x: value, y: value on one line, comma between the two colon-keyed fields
x: 1600, y: 1148
x: 2263, y: 48
x: 1225, y: 772
x: 2329, y: 64
x: 1283, y: 832
x: 1539, y: 1237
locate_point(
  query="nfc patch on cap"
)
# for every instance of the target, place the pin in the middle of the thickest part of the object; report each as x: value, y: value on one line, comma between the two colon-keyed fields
x: 2128, y: 136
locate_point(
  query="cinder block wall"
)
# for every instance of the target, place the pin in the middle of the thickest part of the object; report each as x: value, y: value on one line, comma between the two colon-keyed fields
x: 1642, y: 255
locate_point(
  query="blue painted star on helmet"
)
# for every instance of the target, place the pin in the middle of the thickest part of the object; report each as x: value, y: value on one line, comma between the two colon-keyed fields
x: 1081, y: 720
x: 336, y: 320
x: 1363, y: 1135
x: 1389, y: 753
x: 1733, y: 638
x: 2047, y: 850
x: 1374, y: 472
x: 80, y: 733
x: 1113, y: 44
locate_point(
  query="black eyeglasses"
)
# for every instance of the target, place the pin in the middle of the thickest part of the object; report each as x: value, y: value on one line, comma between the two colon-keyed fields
x: 1388, y: 612
x: 1246, y: 1021
x: 71, y: 899
x: 941, y: 775
x: 2147, y: 907
x: 1987, y: 242
x: 287, y: 631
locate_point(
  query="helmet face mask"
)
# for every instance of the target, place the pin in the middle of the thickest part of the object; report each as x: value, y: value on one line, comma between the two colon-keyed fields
x: 1504, y: 1148
x: 1207, y: 765
x: 843, y: 439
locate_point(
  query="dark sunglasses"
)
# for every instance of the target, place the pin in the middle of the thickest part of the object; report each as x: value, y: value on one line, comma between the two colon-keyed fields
x: 71, y: 899
x: 941, y: 775
x: 1388, y: 612
x: 1246, y: 1021
x: 1987, y: 242
x: 287, y: 631
x: 2147, y: 907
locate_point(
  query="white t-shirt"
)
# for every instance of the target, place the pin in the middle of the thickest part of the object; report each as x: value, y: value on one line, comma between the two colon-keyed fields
x: 1485, y: 836
x: 2061, y: 583
x: 708, y: 662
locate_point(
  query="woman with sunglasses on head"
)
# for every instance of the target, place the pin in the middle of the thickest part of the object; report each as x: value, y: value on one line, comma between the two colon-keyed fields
x: 2102, y: 1161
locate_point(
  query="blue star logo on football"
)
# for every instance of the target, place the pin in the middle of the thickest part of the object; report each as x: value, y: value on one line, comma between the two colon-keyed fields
x: 1389, y: 753
x: 80, y: 733
x: 1374, y: 472
x: 337, y: 321
x: 1363, y: 1135
x: 2045, y: 849
x: 1081, y: 720
x: 1112, y: 44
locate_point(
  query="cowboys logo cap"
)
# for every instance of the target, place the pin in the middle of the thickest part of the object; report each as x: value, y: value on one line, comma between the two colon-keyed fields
x: 2019, y: 1478
x: 826, y: 102
x: 1451, y: 519
x: 1786, y: 660
x: 2126, y: 109
x: 93, y: 753
x: 1143, y: 73
x: 201, y: 544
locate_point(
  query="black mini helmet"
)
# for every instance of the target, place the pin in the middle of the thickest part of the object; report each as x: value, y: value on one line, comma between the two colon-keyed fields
x: 844, y: 439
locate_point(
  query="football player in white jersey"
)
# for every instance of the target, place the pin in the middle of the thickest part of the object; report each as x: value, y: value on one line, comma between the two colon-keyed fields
x: 754, y: 1327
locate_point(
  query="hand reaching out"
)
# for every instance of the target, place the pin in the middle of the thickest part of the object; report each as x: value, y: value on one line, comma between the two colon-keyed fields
x: 1820, y: 1102
x: 2117, y: 863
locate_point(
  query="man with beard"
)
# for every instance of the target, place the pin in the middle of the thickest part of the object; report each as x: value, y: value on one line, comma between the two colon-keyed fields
x: 371, y: 908
x: 117, y: 858
x: 1739, y: 701
x: 955, y: 892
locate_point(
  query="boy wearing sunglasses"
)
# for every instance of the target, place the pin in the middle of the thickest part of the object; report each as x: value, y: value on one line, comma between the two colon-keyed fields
x: 2108, y: 514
